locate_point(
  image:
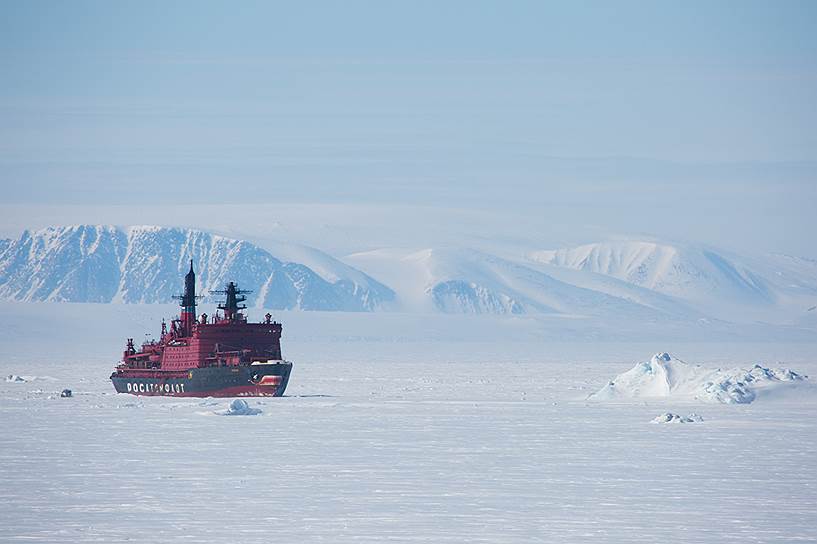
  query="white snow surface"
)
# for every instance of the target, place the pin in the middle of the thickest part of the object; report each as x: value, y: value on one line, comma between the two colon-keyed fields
x: 437, y: 428
x: 666, y: 377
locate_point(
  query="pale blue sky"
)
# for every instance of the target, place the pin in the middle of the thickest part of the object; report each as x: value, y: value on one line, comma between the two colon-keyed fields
x: 617, y: 106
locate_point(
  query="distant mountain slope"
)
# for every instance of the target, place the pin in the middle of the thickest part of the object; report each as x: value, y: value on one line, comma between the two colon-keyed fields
x: 637, y: 281
x: 769, y: 288
x: 91, y: 263
x: 792, y: 275
x: 682, y: 271
x: 468, y: 281
x: 621, y: 289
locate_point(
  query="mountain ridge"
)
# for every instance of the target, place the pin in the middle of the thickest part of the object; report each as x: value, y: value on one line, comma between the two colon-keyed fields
x: 717, y: 282
x: 636, y: 280
x: 143, y: 264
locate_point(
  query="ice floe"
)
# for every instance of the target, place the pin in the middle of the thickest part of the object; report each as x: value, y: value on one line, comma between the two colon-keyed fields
x: 14, y: 378
x: 669, y: 417
x: 666, y: 377
x: 240, y: 407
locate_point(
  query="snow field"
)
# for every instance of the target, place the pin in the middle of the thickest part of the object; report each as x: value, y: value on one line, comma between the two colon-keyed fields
x: 397, y: 427
x: 410, y: 451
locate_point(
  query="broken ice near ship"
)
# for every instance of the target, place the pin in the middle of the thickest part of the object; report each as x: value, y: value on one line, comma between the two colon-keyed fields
x: 240, y: 407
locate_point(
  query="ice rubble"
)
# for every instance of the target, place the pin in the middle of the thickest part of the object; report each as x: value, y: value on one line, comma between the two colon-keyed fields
x: 666, y: 377
x: 239, y: 407
x: 669, y: 417
x: 14, y: 378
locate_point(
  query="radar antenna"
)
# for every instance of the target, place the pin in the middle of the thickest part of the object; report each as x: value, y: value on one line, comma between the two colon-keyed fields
x: 232, y: 305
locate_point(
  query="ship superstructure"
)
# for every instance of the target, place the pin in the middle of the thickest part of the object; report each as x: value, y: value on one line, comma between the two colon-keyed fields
x: 220, y: 356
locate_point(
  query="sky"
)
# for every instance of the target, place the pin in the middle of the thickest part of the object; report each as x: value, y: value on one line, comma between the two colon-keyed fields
x: 684, y: 119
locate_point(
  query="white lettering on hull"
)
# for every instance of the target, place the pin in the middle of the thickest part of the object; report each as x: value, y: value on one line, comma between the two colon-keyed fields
x: 154, y: 388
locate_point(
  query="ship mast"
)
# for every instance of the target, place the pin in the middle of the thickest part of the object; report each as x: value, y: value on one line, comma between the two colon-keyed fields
x: 231, y: 305
x: 188, y: 302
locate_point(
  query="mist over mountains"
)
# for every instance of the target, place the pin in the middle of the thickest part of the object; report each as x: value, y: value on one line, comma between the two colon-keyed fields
x: 636, y: 280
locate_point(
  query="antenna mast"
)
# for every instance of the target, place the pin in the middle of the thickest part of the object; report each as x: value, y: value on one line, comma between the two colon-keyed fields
x: 232, y: 305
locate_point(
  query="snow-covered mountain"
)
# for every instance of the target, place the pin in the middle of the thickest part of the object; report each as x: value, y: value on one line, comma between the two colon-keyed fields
x: 633, y: 280
x: 92, y: 263
x: 453, y: 280
x: 669, y: 269
x: 638, y: 281
x: 716, y: 282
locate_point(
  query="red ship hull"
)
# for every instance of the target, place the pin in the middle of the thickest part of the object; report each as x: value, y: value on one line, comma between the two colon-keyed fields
x: 264, y: 380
